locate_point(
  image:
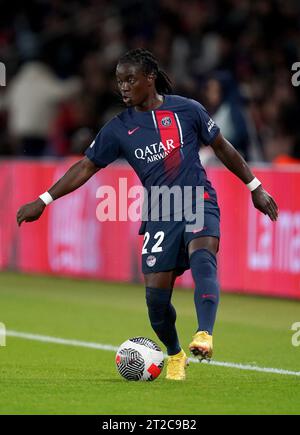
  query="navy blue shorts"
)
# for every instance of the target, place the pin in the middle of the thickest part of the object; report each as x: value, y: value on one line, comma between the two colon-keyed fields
x: 165, y: 243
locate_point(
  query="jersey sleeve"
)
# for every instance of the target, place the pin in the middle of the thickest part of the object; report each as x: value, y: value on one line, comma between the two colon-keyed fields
x: 105, y: 149
x: 206, y: 126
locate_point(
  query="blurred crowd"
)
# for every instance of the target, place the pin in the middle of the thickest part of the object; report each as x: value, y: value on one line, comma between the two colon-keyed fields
x: 234, y: 56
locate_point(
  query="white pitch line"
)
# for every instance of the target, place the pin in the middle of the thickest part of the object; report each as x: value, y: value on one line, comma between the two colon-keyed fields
x: 108, y: 347
x: 56, y: 340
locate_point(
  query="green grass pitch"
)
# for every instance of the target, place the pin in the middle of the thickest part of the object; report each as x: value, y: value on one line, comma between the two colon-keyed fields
x: 48, y: 378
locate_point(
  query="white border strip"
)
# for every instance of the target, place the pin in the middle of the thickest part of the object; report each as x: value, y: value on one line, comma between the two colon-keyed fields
x: 108, y: 347
x: 154, y: 120
x: 179, y: 126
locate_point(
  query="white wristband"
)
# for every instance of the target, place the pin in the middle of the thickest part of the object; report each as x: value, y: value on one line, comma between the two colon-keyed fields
x: 46, y: 198
x: 253, y: 184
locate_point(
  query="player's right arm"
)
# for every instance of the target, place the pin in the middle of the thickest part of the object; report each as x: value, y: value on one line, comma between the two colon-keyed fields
x: 76, y: 176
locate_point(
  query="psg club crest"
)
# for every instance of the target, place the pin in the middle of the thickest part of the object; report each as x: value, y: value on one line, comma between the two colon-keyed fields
x: 166, y: 121
x: 151, y: 260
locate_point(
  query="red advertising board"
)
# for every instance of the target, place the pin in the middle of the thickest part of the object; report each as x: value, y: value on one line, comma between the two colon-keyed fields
x: 256, y: 255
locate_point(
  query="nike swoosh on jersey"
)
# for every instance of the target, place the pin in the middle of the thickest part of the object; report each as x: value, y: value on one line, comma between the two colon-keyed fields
x: 132, y: 131
x: 199, y: 229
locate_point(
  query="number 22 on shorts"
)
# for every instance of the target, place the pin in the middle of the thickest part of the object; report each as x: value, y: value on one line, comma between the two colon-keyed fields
x: 159, y: 236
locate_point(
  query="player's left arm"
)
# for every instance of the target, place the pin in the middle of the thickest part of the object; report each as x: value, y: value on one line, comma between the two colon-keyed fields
x: 233, y: 160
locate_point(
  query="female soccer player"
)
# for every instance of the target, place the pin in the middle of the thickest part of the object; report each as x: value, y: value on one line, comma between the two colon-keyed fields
x: 159, y: 134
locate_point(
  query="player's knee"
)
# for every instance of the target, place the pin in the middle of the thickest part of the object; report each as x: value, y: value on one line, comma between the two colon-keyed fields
x: 204, y: 263
x: 156, y: 297
x: 160, y: 280
x: 210, y: 244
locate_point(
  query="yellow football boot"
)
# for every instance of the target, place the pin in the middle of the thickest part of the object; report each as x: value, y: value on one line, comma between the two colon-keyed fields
x: 202, y: 345
x: 176, y: 366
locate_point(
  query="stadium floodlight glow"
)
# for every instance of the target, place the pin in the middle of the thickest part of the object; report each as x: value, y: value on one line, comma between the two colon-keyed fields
x: 2, y: 74
x: 2, y: 334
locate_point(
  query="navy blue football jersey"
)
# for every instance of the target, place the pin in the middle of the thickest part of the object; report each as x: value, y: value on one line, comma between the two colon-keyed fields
x: 161, y: 145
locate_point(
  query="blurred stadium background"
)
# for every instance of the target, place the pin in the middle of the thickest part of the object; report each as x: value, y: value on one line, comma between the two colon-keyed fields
x: 234, y: 56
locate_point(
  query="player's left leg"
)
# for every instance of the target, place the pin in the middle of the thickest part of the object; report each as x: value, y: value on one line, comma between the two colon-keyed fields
x: 202, y: 254
x: 162, y: 315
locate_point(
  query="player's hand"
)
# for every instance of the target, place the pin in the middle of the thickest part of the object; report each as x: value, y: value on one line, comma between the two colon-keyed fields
x: 30, y: 212
x: 265, y: 203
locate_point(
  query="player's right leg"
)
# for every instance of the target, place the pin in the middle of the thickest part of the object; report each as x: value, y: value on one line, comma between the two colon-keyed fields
x: 162, y: 315
x: 161, y: 256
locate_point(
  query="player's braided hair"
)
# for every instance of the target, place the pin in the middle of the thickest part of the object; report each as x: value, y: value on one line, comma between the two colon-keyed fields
x: 149, y: 65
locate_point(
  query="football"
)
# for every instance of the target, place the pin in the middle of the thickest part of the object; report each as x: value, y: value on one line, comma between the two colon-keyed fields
x: 139, y: 359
